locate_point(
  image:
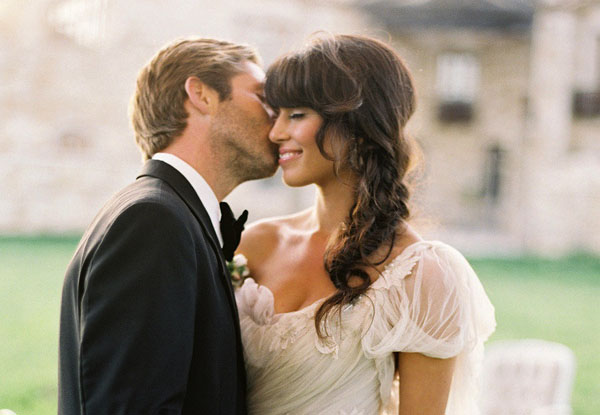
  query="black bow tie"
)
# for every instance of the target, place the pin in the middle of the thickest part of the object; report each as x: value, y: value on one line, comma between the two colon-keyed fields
x: 231, y: 229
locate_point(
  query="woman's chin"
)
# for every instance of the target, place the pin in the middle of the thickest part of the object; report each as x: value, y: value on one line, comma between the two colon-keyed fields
x: 296, y: 181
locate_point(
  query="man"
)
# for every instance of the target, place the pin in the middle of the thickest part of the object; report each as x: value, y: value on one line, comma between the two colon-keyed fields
x: 149, y: 323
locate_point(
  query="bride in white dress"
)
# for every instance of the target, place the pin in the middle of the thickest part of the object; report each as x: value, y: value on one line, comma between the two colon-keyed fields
x: 346, y: 296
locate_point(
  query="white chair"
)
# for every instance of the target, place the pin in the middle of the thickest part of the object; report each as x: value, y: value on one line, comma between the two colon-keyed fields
x: 527, y: 377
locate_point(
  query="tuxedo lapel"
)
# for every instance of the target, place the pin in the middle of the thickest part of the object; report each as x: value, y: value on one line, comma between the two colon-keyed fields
x: 170, y: 175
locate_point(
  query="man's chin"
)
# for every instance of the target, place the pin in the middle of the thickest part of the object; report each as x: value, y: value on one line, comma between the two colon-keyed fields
x: 271, y: 171
x: 263, y: 173
x: 272, y: 167
x: 274, y: 171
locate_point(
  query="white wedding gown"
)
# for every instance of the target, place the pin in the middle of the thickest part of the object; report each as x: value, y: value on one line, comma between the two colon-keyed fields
x: 428, y: 300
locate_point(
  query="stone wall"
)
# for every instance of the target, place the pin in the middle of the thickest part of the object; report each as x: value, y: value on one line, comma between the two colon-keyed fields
x: 66, y: 144
x: 65, y: 140
x: 550, y: 160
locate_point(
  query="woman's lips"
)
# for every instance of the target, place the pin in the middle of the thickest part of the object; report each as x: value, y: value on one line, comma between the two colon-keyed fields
x: 288, y: 155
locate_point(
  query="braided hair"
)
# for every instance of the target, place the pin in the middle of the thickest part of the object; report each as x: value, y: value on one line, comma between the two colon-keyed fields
x: 364, y: 93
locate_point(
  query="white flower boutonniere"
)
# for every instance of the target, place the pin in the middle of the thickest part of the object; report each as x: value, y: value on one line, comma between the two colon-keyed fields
x: 238, y: 269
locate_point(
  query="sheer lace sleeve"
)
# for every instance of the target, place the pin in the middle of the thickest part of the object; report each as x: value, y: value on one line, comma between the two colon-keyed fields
x: 428, y: 301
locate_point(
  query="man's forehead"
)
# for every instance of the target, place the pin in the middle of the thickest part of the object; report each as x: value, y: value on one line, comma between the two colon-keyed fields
x: 252, y: 75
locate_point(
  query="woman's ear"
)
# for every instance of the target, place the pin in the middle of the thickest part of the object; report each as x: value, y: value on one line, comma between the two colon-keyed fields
x: 201, y: 96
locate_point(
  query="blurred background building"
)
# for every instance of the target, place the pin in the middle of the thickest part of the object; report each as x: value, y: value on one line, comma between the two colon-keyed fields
x: 508, y: 108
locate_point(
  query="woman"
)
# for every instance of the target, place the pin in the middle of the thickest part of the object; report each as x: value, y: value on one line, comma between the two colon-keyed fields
x: 346, y: 294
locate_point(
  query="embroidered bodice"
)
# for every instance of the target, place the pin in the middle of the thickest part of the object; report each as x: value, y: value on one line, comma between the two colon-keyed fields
x: 428, y: 300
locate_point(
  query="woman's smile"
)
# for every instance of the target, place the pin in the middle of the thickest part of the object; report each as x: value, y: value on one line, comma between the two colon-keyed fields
x: 286, y: 155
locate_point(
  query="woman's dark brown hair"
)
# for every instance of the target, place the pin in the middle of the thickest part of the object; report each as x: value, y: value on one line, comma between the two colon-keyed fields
x: 364, y: 93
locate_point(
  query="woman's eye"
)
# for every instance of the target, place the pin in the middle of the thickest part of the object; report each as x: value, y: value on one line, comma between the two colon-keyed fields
x: 296, y: 115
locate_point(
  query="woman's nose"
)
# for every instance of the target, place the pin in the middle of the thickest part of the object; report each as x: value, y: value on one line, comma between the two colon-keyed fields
x: 278, y: 131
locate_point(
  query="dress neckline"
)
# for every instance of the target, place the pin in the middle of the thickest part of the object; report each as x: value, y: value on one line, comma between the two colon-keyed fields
x: 408, y: 249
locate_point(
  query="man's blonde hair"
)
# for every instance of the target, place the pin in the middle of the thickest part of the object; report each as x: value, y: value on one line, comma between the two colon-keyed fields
x: 157, y: 107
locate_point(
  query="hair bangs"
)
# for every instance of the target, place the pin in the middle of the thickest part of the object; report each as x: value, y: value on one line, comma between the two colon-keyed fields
x: 290, y: 83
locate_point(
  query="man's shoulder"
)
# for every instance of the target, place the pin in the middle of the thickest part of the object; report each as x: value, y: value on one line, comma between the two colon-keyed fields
x: 146, y: 201
x: 146, y: 191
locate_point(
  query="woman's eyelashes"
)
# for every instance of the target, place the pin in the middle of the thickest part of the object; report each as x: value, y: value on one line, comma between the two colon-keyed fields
x: 296, y: 115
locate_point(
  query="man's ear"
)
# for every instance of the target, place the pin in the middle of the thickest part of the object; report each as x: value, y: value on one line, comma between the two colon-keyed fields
x: 201, y: 96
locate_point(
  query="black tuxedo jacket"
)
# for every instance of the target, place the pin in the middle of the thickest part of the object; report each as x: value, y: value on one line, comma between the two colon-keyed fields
x: 148, y: 319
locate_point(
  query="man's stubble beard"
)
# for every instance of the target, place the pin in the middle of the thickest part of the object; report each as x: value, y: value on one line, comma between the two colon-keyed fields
x: 233, y: 140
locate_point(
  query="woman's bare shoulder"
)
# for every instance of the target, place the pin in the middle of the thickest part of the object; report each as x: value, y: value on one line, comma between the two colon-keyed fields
x: 259, y: 234
x: 262, y: 238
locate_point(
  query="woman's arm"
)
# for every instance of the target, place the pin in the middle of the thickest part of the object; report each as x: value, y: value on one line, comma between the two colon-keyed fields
x: 424, y: 383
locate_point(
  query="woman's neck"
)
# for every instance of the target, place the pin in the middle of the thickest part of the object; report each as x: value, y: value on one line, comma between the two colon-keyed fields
x: 332, y: 204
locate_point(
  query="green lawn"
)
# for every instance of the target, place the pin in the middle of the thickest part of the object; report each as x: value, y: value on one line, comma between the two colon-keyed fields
x: 31, y: 274
x: 554, y: 300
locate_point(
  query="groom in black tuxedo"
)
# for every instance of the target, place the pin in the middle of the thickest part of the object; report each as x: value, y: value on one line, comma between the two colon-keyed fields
x: 148, y: 320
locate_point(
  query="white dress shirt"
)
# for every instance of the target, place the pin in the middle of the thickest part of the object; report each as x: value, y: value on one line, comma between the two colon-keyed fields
x: 203, y: 190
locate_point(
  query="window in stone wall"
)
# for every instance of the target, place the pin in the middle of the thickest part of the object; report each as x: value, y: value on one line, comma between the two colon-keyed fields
x: 457, y: 86
x: 586, y: 104
x: 491, y: 192
x: 492, y: 173
x: 586, y: 100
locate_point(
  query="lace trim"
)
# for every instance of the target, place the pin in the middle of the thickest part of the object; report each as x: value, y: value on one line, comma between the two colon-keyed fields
x: 401, y: 266
x: 257, y: 304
